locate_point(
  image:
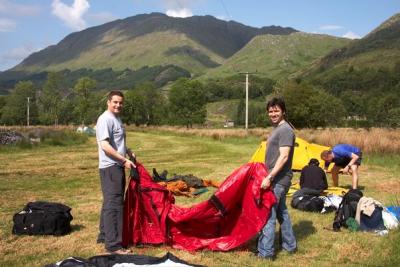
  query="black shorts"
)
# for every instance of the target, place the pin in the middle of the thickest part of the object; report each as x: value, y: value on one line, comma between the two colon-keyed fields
x: 344, y: 162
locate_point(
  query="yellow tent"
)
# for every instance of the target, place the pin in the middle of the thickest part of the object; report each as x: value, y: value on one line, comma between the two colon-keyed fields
x: 303, y: 152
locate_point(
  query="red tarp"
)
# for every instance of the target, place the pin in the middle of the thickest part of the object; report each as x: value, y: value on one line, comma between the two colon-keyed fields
x: 234, y: 214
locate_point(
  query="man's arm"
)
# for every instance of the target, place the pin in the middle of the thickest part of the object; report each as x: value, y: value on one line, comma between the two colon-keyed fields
x: 354, y: 158
x: 280, y: 162
x: 109, y: 150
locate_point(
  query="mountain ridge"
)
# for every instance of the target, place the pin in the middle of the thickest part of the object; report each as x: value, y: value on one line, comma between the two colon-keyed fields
x: 381, y: 47
x: 221, y: 38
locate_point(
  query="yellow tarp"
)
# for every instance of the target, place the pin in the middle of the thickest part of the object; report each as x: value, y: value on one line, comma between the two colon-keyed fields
x: 303, y: 152
x: 339, y: 191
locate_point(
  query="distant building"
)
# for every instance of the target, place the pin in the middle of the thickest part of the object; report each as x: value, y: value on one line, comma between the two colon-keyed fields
x: 229, y: 124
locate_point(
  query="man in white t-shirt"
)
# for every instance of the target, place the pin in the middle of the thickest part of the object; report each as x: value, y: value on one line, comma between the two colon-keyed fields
x: 110, y: 135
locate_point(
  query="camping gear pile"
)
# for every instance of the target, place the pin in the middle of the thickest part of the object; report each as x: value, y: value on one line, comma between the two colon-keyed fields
x: 360, y: 213
x: 353, y: 211
x: 183, y: 185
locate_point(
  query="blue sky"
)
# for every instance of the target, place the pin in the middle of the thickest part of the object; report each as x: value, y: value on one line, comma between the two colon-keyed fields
x: 27, y: 26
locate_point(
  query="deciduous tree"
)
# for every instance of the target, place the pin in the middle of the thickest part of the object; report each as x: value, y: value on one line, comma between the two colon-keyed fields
x: 14, y: 111
x: 50, y: 100
x: 83, y: 99
x: 187, y: 102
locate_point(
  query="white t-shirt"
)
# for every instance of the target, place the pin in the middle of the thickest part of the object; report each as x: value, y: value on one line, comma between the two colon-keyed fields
x: 110, y: 127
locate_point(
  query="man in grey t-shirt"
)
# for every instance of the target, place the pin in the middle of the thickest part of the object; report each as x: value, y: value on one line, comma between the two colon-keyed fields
x: 278, y: 160
x: 281, y: 137
x: 110, y: 135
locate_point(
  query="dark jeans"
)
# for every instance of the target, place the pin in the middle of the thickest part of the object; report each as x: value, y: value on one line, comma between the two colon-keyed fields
x: 111, y: 217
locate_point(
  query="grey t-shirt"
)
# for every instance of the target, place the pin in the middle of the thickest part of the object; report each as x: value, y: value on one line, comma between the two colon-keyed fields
x: 110, y: 127
x: 281, y: 136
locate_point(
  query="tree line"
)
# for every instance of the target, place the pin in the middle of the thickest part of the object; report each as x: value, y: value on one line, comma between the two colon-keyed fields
x: 145, y: 104
x: 310, y: 103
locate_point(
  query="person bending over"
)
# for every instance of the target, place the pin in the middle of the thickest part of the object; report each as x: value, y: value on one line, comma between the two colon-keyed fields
x: 346, y: 157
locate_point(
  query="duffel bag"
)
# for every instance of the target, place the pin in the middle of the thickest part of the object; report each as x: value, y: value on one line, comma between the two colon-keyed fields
x: 43, y: 218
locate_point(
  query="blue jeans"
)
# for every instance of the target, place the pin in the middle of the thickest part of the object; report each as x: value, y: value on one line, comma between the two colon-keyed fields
x: 278, y: 211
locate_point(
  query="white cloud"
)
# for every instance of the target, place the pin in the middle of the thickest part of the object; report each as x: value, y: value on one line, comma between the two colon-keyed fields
x: 351, y: 35
x: 330, y: 27
x: 71, y: 15
x: 7, y: 25
x: 180, y: 13
x: 179, y: 8
x: 222, y: 17
x: 9, y: 8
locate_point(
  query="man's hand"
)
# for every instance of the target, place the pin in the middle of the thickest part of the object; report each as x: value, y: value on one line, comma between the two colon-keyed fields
x: 266, y: 182
x: 129, y: 164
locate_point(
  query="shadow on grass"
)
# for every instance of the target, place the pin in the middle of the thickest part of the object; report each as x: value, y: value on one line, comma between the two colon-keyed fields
x: 77, y: 227
x: 349, y: 186
x: 303, y: 229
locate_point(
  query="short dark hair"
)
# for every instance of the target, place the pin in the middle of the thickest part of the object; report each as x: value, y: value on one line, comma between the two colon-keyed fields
x: 325, y: 153
x: 113, y: 93
x: 314, y: 162
x: 277, y: 101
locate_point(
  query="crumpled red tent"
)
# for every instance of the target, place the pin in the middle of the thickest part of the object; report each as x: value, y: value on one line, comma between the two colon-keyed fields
x: 234, y: 214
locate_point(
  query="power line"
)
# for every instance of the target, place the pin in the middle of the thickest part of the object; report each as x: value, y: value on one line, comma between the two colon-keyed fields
x: 226, y: 10
x: 179, y: 4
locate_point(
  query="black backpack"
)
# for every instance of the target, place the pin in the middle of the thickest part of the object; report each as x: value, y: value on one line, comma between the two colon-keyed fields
x: 347, y: 208
x: 307, y: 199
x: 309, y: 203
x: 43, y: 218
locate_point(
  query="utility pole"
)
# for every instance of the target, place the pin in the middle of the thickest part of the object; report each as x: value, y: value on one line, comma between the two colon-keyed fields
x: 27, y: 113
x: 247, y: 98
x: 247, y: 101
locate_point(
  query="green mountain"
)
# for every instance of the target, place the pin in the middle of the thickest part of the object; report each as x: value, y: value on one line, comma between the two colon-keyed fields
x: 277, y: 56
x: 195, y: 44
x: 380, y: 48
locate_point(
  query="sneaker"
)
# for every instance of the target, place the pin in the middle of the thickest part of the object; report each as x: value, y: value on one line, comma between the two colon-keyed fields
x: 121, y: 251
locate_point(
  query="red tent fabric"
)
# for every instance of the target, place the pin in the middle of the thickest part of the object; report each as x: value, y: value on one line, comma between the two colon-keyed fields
x: 234, y: 214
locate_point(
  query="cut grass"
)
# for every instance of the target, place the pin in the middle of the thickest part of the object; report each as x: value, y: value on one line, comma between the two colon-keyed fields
x: 69, y: 175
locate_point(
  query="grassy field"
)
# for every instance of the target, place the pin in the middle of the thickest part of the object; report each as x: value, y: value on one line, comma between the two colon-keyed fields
x: 68, y: 174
